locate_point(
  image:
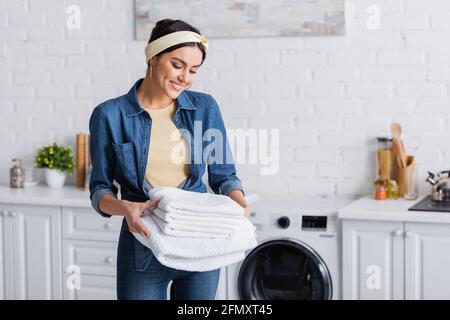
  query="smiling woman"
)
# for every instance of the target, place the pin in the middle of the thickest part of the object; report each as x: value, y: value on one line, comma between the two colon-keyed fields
x: 174, y: 53
x: 133, y: 138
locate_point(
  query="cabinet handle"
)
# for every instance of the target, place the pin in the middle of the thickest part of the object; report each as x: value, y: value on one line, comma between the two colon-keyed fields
x: 408, y: 234
x: 108, y: 225
x: 398, y: 233
x: 13, y: 214
x: 109, y: 260
x: 4, y: 213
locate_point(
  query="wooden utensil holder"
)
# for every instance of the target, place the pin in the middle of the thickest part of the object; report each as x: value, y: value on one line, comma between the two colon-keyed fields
x: 406, y: 176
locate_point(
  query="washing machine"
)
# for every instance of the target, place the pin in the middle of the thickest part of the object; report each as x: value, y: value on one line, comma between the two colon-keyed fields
x: 298, y: 256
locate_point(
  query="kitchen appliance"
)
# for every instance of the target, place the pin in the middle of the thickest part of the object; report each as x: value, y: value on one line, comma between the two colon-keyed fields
x: 298, y: 252
x: 441, y: 185
x: 428, y: 204
x: 439, y: 200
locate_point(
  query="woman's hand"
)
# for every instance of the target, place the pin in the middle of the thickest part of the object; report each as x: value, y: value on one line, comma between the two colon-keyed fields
x: 133, y: 215
x: 238, y: 196
x: 247, y: 211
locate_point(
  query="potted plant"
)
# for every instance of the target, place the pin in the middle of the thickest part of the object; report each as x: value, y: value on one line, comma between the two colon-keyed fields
x: 57, y: 161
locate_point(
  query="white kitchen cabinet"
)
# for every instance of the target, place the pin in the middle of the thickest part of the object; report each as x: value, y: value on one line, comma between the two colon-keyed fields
x: 89, y: 250
x: 32, y: 252
x: 92, y: 257
x: 7, y: 252
x: 373, y: 259
x: 395, y: 260
x: 90, y: 288
x: 86, y: 224
x: 2, y: 254
x: 48, y: 235
x: 427, y: 261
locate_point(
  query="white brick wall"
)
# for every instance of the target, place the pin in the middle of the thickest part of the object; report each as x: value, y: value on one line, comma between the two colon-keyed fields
x: 329, y: 96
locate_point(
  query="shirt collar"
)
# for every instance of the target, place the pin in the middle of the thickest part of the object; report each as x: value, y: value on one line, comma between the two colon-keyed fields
x: 133, y: 107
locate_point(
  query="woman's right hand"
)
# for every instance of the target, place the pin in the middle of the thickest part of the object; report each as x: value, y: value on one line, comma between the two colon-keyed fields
x: 133, y: 215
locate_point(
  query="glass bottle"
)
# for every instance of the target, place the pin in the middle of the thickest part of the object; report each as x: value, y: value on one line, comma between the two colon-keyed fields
x: 393, y: 191
x: 384, y: 158
x: 17, y: 174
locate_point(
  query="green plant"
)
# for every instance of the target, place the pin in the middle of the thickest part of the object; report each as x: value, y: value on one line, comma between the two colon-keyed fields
x: 55, y: 157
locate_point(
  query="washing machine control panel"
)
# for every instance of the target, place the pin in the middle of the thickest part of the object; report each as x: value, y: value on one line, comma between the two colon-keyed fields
x: 284, y: 222
x: 316, y: 223
x: 305, y: 222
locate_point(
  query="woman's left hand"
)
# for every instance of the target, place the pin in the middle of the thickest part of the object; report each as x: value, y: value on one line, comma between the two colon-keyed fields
x: 238, y: 196
x: 247, y: 211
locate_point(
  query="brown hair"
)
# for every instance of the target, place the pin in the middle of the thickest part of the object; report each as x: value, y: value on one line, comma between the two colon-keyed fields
x: 166, y: 26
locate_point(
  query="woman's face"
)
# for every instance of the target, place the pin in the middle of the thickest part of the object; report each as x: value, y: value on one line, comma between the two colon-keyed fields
x: 174, y: 71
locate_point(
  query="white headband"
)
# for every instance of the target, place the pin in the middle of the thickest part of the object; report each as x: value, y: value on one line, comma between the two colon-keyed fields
x: 171, y: 39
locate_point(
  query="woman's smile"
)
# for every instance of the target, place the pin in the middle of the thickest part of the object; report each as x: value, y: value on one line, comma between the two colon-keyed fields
x: 176, y: 86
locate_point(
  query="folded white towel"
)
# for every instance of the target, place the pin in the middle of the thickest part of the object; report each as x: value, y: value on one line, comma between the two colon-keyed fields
x: 203, y: 264
x: 195, y: 217
x: 203, y: 222
x: 198, y: 254
x: 188, y: 231
x: 187, y: 202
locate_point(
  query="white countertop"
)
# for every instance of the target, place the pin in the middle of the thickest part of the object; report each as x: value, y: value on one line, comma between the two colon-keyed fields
x: 367, y: 208
x: 70, y: 195
x: 298, y: 204
x: 43, y: 195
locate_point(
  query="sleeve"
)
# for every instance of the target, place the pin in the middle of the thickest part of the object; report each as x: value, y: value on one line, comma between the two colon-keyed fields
x: 102, y: 157
x: 222, y: 176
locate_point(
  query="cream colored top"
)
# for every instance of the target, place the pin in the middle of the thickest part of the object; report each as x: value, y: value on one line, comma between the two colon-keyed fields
x: 168, y: 154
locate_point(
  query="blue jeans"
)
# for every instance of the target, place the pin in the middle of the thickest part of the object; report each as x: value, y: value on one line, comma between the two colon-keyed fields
x: 140, y: 276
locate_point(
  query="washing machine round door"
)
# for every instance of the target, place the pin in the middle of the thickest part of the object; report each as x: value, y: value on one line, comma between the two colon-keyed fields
x: 284, y: 269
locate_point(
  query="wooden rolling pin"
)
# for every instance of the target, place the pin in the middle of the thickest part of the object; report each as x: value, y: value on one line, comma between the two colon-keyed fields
x: 88, y: 140
x: 81, y: 160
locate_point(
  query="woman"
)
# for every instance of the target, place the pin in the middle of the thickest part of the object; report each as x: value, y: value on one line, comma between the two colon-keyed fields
x: 132, y: 141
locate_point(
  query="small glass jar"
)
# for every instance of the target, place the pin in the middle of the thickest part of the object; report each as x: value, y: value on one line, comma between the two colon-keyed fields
x: 380, y: 192
x: 393, y: 191
x: 17, y: 174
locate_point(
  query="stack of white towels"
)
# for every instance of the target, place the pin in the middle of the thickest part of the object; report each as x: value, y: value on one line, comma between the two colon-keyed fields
x: 196, y: 231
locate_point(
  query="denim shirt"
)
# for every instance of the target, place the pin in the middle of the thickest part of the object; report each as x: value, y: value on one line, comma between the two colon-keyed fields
x: 119, y: 141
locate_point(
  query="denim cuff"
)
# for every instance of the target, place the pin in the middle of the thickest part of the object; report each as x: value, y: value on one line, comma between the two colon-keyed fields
x: 230, y: 185
x: 96, y: 199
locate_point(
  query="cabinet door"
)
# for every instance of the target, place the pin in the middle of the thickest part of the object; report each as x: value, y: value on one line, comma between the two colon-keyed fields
x: 91, y: 257
x: 6, y: 254
x: 90, y: 288
x: 86, y: 224
x: 427, y: 261
x: 36, y: 234
x: 3, y: 214
x: 373, y: 260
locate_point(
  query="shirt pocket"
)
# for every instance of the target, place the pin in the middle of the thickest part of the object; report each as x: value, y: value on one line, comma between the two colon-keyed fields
x: 125, y: 160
